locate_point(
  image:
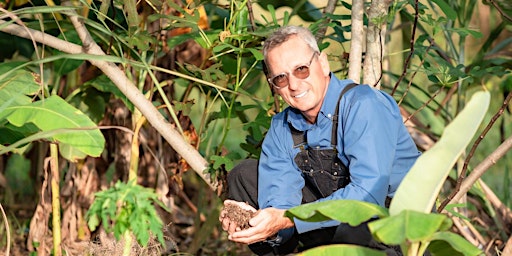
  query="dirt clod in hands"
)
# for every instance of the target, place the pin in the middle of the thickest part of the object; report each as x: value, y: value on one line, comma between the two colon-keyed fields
x: 239, y: 215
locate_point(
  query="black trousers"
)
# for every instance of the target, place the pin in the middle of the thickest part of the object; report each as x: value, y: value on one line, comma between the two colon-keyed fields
x: 243, y: 187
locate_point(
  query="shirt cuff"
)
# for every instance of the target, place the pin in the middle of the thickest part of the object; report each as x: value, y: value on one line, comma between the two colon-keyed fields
x: 304, y: 226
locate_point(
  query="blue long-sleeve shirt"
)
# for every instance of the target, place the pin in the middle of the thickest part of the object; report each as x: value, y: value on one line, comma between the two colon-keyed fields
x: 372, y: 141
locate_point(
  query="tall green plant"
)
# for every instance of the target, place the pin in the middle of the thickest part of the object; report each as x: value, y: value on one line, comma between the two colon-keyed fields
x: 408, y: 222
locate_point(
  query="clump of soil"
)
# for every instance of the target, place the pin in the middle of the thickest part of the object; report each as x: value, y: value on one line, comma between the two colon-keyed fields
x: 239, y: 215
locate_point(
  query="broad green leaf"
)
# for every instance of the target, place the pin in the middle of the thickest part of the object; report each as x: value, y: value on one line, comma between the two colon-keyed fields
x: 420, y: 187
x: 447, y: 243
x: 15, y: 86
x: 341, y: 250
x: 79, y: 136
x: 349, y: 211
x: 408, y: 226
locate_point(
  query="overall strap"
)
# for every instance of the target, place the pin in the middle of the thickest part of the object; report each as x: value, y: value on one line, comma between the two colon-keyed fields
x: 299, y: 137
x: 334, y: 137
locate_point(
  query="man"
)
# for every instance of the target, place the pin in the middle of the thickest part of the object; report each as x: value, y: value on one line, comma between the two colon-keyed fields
x: 322, y: 147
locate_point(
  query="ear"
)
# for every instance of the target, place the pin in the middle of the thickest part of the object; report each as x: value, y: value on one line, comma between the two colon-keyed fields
x: 324, y: 63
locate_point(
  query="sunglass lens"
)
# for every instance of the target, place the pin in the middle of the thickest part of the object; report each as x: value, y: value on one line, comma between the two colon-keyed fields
x: 301, y: 72
x: 280, y: 81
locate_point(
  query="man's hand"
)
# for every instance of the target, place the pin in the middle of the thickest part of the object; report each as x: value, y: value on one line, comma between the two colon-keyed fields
x: 228, y: 224
x: 266, y: 223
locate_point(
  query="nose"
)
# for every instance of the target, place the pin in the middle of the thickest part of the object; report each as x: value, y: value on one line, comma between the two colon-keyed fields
x: 293, y: 82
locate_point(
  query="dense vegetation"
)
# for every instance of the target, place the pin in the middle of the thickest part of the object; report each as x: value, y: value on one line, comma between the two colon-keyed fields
x: 152, y: 102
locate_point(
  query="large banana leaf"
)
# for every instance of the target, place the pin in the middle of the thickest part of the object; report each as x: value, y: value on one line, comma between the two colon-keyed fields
x: 420, y: 187
x: 60, y: 122
x: 342, y: 250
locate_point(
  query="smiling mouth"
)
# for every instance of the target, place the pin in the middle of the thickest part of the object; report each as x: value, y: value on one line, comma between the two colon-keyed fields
x: 301, y: 95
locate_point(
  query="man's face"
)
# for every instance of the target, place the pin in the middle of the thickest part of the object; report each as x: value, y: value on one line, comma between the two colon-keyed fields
x: 291, y: 60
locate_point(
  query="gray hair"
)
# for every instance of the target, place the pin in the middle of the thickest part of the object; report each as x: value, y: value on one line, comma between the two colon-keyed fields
x: 282, y: 35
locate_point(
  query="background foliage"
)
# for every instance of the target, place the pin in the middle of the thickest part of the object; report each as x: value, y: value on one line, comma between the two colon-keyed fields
x: 199, y: 64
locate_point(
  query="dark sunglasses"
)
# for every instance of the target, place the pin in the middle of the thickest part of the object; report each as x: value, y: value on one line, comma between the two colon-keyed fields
x: 302, y: 72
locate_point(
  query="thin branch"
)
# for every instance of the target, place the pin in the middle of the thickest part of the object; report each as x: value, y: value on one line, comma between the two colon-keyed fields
x: 460, y: 179
x: 411, y: 52
x: 406, y: 91
x: 500, y: 10
x: 329, y: 8
x: 251, y: 15
x: 125, y: 85
x: 480, y: 170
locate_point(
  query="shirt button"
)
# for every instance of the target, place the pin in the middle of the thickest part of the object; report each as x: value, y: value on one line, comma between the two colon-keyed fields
x: 329, y: 115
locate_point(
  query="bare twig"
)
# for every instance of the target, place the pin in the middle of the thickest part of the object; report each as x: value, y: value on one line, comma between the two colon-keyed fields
x: 251, y: 14
x: 473, y: 149
x: 467, y: 230
x: 502, y: 14
x: 425, y: 104
x: 329, y: 8
x: 503, y: 212
x: 480, y: 170
x: 411, y: 51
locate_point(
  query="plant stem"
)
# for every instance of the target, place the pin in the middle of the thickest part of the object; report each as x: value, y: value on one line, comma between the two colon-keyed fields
x: 127, y: 243
x: 135, y: 154
x: 7, y: 230
x: 54, y: 166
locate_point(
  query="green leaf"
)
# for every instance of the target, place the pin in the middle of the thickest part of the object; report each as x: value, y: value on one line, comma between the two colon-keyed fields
x: 93, y: 222
x: 341, y: 250
x: 44, y: 9
x: 16, y: 86
x: 408, y: 226
x: 221, y: 160
x: 420, y: 187
x: 446, y: 8
x: 349, y: 211
x: 456, y: 242
x: 465, y: 31
x: 257, y: 54
x: 79, y: 135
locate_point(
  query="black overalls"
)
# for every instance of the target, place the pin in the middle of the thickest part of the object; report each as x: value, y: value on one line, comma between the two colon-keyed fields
x: 323, y: 171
